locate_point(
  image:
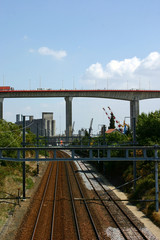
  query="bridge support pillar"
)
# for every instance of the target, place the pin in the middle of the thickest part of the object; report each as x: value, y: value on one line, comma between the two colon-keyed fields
x: 156, y: 181
x: 68, y: 117
x: 134, y: 112
x: 1, y: 108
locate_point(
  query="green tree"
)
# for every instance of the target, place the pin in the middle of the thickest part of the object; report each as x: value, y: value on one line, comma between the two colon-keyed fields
x: 30, y: 137
x: 148, y: 128
x: 11, y: 136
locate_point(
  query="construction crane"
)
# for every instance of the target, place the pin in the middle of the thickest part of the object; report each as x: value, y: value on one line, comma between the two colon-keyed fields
x: 106, y: 113
x: 73, y: 127
x: 90, y: 129
x: 117, y: 122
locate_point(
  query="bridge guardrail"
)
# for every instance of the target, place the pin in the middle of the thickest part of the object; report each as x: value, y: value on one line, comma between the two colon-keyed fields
x: 87, y: 153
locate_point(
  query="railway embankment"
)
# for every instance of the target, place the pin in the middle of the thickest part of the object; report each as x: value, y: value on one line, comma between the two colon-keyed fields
x: 12, y: 213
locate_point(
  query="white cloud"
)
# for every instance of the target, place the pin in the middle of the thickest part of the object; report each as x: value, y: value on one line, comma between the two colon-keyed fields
x: 123, y: 67
x: 96, y: 70
x: 56, y: 54
x: 50, y: 52
x: 127, y: 73
x: 152, y: 61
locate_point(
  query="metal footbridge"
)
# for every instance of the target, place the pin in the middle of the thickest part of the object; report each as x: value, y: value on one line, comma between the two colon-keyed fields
x: 84, y: 153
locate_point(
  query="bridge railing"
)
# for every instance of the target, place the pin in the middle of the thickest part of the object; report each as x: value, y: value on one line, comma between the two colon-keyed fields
x: 80, y: 152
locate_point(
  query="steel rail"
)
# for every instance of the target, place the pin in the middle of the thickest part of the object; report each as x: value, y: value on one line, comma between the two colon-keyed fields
x: 72, y: 200
x: 115, y: 202
x: 107, y: 209
x: 73, y: 205
x: 85, y: 203
x: 54, y: 202
x: 42, y: 201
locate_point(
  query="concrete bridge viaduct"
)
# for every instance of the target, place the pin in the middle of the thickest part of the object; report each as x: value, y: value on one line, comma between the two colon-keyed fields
x: 134, y: 96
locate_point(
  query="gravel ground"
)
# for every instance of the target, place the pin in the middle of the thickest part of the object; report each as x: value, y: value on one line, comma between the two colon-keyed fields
x: 149, y: 226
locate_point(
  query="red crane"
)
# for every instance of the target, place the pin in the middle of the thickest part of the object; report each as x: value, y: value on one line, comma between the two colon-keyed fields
x: 118, y: 122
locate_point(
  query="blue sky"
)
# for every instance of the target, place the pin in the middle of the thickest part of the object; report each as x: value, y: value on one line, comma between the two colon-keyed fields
x: 83, y: 45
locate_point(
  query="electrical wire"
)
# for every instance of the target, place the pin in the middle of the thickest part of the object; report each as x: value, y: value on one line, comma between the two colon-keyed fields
x: 18, y: 135
x: 17, y: 129
x: 120, y: 186
x: 12, y: 142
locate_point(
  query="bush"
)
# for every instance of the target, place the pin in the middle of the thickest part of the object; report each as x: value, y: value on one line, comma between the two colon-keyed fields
x: 143, y: 188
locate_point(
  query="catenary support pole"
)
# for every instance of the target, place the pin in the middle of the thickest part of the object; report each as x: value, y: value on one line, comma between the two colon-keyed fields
x: 24, y: 165
x: 156, y: 182
x: 1, y: 108
x: 134, y: 153
x: 37, y: 146
x: 134, y: 112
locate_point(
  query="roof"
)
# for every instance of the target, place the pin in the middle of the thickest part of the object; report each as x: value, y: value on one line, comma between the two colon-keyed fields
x: 112, y: 130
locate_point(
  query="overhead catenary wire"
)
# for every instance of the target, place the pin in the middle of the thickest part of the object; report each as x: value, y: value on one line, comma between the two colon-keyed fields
x: 12, y: 142
x: 17, y: 136
x: 17, y: 129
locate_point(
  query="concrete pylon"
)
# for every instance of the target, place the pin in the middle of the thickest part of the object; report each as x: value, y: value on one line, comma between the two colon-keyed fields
x: 134, y: 112
x: 1, y: 108
x: 68, y: 116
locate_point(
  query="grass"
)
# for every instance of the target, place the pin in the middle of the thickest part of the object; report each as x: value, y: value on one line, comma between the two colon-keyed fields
x: 29, y: 183
x: 10, y: 181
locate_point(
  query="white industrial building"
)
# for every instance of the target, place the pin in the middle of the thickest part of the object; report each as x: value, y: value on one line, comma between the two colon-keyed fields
x: 43, y: 127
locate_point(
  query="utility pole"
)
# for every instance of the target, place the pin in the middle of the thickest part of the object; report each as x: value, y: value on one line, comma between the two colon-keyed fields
x: 134, y: 153
x: 24, y: 164
x: 37, y: 146
x: 156, y: 180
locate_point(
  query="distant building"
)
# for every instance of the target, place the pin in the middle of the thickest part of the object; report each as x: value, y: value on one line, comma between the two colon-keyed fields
x: 44, y: 126
x: 82, y: 132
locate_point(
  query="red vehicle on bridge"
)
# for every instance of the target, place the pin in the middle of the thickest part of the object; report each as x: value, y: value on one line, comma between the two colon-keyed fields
x: 6, y: 88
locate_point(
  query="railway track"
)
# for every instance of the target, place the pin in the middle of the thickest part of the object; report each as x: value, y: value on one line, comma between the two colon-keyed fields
x: 56, y: 215
x: 52, y: 232
x: 42, y: 209
x: 64, y: 209
x: 50, y: 206
x: 128, y: 228
x: 78, y: 219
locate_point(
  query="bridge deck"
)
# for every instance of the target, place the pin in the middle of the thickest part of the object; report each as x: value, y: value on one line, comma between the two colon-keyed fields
x: 112, y: 94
